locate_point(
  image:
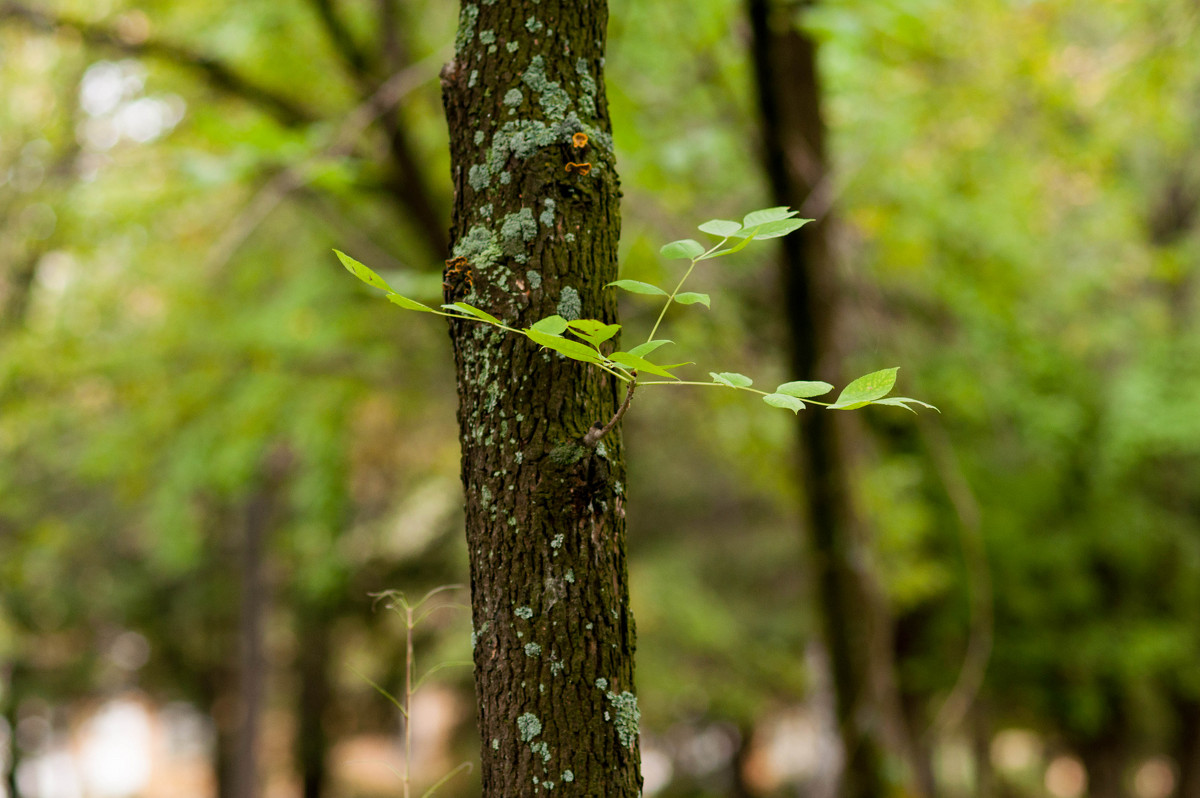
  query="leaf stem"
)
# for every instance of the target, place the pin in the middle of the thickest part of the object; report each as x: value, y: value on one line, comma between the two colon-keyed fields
x: 682, y: 280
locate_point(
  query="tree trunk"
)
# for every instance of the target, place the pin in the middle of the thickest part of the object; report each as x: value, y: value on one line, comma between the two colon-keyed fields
x: 260, y: 514
x: 536, y: 221
x: 1104, y: 759
x: 313, y: 697
x: 852, y: 618
x: 1187, y: 746
x: 12, y: 701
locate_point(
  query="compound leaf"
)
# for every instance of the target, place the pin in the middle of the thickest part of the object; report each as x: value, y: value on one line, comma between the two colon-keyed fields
x: 638, y: 287
x: 686, y: 249
x: 784, y: 401
x: 866, y: 389
x: 692, y: 298
x: 362, y: 272
x: 408, y: 304
x: 732, y: 379
x: 803, y: 389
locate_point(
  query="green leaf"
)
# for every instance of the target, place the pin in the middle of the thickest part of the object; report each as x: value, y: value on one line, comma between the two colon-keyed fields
x: 572, y: 349
x: 686, y: 249
x: 900, y: 401
x: 784, y: 401
x: 755, y: 218
x: 777, y: 229
x: 692, y: 298
x: 593, y: 331
x: 720, y: 227
x: 362, y: 272
x: 638, y: 287
x: 739, y: 245
x: 551, y: 325
x: 474, y: 311
x: 641, y: 350
x: 408, y: 304
x: 632, y: 361
x: 804, y: 389
x: 866, y: 389
x: 732, y: 379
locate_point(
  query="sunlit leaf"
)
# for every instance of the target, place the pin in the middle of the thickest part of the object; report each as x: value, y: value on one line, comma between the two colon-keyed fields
x: 572, y: 349
x: 594, y: 331
x: 641, y: 350
x: 638, y: 287
x: 902, y: 401
x: 473, y: 311
x: 804, y: 388
x: 866, y: 389
x: 776, y: 229
x: 692, y: 298
x: 408, y: 304
x: 551, y: 325
x: 738, y: 246
x: 784, y: 401
x: 720, y: 227
x: 732, y: 379
x: 632, y: 361
x: 362, y: 272
x: 755, y: 218
x: 686, y: 249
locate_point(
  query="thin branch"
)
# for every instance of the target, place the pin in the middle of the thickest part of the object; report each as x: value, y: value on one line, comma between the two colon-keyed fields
x: 979, y: 642
x: 342, y: 40
x: 356, y: 121
x: 597, y: 432
x: 218, y: 74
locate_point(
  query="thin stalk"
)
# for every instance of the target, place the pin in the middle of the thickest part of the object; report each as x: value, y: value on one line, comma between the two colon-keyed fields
x: 408, y: 693
x: 682, y: 280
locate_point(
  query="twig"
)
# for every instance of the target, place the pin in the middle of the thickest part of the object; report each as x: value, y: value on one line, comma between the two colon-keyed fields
x: 357, y: 121
x: 979, y: 644
x: 219, y: 74
x: 597, y: 432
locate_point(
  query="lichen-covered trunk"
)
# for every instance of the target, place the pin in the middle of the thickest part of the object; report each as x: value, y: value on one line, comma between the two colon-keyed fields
x: 853, y: 620
x: 535, y: 233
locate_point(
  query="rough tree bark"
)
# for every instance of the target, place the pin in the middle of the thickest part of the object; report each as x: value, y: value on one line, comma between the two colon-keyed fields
x: 851, y: 617
x: 535, y: 233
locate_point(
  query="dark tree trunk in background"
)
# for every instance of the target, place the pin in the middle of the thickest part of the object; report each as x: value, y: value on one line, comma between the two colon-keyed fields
x: 260, y: 514
x: 544, y: 514
x: 315, y: 692
x: 852, y: 618
x: 1187, y: 746
x: 12, y: 699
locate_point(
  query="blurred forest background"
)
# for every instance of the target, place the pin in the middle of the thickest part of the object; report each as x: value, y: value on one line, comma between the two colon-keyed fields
x: 215, y: 445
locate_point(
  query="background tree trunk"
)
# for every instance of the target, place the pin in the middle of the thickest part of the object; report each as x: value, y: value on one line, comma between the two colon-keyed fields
x: 852, y: 617
x: 544, y: 513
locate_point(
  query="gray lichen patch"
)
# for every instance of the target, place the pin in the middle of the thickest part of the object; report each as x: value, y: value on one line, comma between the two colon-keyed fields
x: 523, y: 612
x: 528, y: 726
x: 569, y: 305
x: 533, y: 650
x: 517, y: 229
x: 533, y: 25
x: 513, y: 98
x: 487, y: 36
x: 534, y: 278
x: 553, y: 99
x: 627, y: 716
x: 479, y: 176
x: 547, y: 215
x: 479, y: 246
x: 466, y: 26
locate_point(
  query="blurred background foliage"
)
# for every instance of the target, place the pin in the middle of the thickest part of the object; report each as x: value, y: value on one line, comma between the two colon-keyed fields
x: 187, y: 376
